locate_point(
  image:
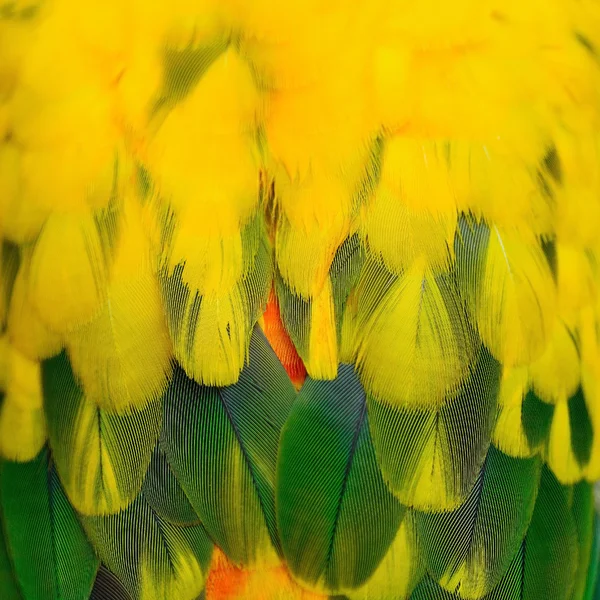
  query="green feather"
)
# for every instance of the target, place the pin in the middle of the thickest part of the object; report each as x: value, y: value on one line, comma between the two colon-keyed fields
x: 8, y: 584
x: 582, y: 431
x: 582, y: 508
x: 151, y: 557
x: 459, y: 432
x: 51, y: 556
x: 469, y: 549
x: 101, y: 458
x: 592, y: 587
x: 222, y: 445
x: 336, y: 517
x: 545, y: 563
x: 108, y: 587
x: 164, y: 493
x: 536, y: 419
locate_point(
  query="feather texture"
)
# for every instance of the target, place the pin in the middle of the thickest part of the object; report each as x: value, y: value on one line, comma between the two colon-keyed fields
x: 336, y: 527
x: 100, y: 457
x: 233, y: 432
x: 44, y: 537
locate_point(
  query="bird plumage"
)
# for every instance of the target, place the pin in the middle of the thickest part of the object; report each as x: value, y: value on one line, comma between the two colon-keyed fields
x: 299, y: 300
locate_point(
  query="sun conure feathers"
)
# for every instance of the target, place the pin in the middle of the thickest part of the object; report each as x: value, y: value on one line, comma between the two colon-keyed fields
x: 299, y: 300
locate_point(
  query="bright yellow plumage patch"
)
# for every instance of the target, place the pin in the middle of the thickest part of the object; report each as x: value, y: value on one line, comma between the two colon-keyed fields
x: 415, y: 346
x: 22, y: 420
x: 515, y: 304
x: 162, y: 163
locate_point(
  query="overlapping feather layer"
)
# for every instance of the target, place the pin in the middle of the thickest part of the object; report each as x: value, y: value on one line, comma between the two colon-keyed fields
x: 202, y: 202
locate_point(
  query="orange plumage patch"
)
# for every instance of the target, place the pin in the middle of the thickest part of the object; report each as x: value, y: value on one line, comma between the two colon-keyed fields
x: 228, y: 582
x: 281, y: 343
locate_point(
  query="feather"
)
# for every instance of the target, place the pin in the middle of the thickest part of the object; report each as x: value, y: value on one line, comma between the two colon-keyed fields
x: 9, y: 266
x: 232, y: 433
x: 398, y: 572
x: 67, y: 276
x: 510, y: 290
x: 151, y: 557
x: 414, y: 344
x: 582, y: 508
x: 560, y: 455
x: 427, y: 457
x: 43, y: 534
x: 122, y: 357
x: 101, y: 457
x: 27, y: 331
x: 509, y: 432
x: 555, y: 375
x: 210, y: 333
x: 8, y: 583
x: 164, y: 494
x: 22, y: 420
x: 413, y: 212
x: 469, y: 549
x: 545, y: 562
x: 314, y: 325
x: 279, y: 339
x: 107, y: 585
x: 337, y: 526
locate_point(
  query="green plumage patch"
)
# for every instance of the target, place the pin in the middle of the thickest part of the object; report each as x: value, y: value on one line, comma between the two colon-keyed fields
x: 336, y: 517
x: 164, y: 493
x: 222, y: 445
x: 50, y: 554
x: 469, y: 549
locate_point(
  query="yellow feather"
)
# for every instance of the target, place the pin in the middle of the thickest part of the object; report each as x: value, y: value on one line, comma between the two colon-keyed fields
x: 555, y: 375
x: 27, y: 332
x: 183, y: 581
x: 212, y: 264
x: 590, y: 381
x: 413, y: 211
x: 67, y: 278
x: 414, y: 346
x: 578, y: 202
x: 304, y: 252
x: 516, y: 299
x: 22, y: 420
x: 21, y: 221
x: 576, y: 281
x: 123, y: 356
x: 400, y: 235
x: 398, y: 572
x: 220, y: 340
x: 322, y: 360
x: 484, y: 176
x: 559, y: 454
x: 202, y: 157
x: 508, y: 434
